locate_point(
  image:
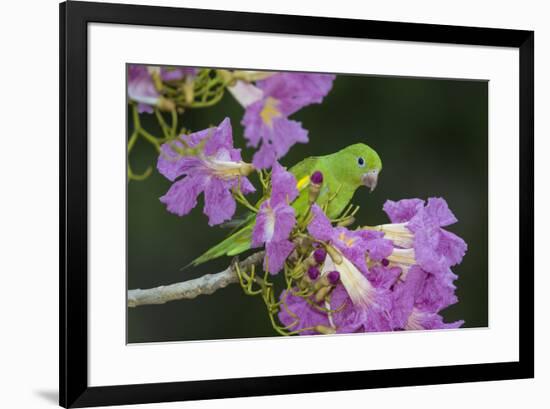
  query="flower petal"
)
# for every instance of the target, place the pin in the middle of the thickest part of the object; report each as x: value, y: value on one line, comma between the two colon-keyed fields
x: 452, y: 247
x: 181, y: 198
x: 436, y: 249
x: 219, y: 204
x: 383, y: 277
x: 405, y: 295
x: 264, y: 157
x: 253, y: 124
x: 438, y: 209
x: 246, y: 186
x: 438, y: 292
x: 172, y: 164
x: 264, y: 226
x: 379, y: 248
x: 283, y: 186
x: 245, y: 93
x: 176, y: 73
x: 277, y: 140
x: 297, y: 313
x: 276, y: 254
x: 141, y: 87
x: 143, y: 108
x: 221, y: 137
x: 285, y: 220
x: 285, y: 134
x: 320, y: 227
x: 296, y: 90
x: 347, y: 317
x: 359, y: 318
x: 420, y: 320
x: 402, y: 210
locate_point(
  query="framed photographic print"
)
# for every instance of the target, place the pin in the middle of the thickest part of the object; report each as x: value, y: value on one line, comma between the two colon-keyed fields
x: 259, y: 204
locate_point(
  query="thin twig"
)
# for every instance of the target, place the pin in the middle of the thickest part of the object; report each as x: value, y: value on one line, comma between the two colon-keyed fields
x: 207, y: 284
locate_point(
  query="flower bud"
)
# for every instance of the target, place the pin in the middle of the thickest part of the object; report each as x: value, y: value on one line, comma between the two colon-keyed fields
x: 321, y: 294
x: 303, y: 244
x: 322, y: 329
x: 165, y: 104
x: 316, y: 180
x: 188, y: 89
x: 333, y: 277
x: 246, y: 169
x: 155, y: 75
x: 320, y: 255
x: 226, y: 76
x: 313, y: 273
x: 251, y: 76
x: 334, y: 255
x: 310, y: 261
x: 304, y: 283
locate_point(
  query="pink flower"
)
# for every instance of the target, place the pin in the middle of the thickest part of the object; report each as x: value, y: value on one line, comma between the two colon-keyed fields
x: 214, y: 171
x: 141, y: 88
x: 266, y: 118
x: 276, y: 219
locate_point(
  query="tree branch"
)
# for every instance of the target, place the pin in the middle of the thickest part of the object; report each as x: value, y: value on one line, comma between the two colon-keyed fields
x: 207, y: 284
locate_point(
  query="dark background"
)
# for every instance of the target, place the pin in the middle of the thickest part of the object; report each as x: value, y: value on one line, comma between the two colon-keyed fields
x: 432, y: 137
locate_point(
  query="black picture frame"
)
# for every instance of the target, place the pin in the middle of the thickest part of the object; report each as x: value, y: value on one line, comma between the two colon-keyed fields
x: 73, y: 350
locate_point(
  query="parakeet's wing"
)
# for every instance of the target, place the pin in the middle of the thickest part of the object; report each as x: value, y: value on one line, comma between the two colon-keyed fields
x: 303, y: 170
x: 237, y: 223
x: 334, y: 182
x: 234, y: 244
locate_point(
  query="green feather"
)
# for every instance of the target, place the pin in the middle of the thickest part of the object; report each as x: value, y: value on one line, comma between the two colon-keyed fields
x: 236, y: 243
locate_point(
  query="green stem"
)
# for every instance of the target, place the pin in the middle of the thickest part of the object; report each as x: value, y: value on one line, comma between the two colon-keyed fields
x: 139, y: 177
x: 206, y: 104
x: 163, y: 124
x: 174, y: 123
x: 132, y: 140
x: 150, y: 138
x: 239, y: 197
x: 245, y: 203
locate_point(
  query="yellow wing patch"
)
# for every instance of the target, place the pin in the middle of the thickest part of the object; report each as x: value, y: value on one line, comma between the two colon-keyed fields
x: 302, y: 183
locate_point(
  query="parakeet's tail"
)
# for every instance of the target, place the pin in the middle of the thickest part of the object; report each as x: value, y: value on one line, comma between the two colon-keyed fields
x: 235, y: 244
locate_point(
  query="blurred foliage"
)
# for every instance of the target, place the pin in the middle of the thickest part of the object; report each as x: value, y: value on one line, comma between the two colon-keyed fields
x: 432, y: 136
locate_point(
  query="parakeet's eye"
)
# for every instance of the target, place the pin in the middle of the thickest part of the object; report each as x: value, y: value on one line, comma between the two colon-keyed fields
x: 360, y: 161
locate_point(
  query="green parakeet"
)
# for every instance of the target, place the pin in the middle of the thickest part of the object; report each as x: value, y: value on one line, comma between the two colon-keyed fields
x: 343, y: 172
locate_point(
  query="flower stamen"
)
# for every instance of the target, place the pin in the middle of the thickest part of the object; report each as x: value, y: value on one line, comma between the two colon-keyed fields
x: 359, y: 289
x: 404, y: 259
x: 398, y: 233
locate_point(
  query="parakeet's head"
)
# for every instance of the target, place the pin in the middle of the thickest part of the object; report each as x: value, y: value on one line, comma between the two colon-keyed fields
x: 362, y: 164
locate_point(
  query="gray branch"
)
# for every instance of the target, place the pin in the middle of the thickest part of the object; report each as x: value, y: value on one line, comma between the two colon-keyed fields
x: 207, y: 284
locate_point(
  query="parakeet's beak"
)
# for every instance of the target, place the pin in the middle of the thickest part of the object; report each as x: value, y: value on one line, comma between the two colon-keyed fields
x: 370, y: 179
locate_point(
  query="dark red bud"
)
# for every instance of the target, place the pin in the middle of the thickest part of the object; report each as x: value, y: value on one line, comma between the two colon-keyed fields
x: 317, y: 177
x: 313, y: 273
x: 319, y: 255
x: 333, y: 277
